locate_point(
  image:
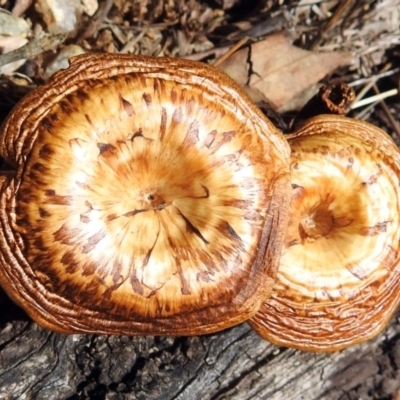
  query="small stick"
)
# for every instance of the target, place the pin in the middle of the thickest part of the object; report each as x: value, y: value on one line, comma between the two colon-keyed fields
x: 374, y: 78
x: 372, y: 99
x: 365, y: 112
x: 231, y: 50
x: 369, y: 85
x: 389, y: 115
x: 33, y: 48
x: 331, y: 23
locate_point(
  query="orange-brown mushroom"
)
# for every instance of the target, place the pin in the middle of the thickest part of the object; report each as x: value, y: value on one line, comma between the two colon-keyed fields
x: 149, y: 196
x: 339, y: 276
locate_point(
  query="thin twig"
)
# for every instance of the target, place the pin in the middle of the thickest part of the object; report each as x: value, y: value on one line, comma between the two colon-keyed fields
x: 369, y: 85
x: 96, y: 20
x: 132, y: 42
x: 389, y: 115
x: 33, y: 48
x: 372, y: 99
x: 366, y: 112
x: 333, y: 20
x: 214, y: 52
x: 374, y: 78
x: 231, y: 50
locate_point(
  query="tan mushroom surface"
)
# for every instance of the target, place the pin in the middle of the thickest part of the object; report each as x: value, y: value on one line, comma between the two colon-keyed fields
x: 148, y: 196
x: 339, y: 276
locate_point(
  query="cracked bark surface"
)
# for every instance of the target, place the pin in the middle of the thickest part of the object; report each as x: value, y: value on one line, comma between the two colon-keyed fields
x: 235, y: 364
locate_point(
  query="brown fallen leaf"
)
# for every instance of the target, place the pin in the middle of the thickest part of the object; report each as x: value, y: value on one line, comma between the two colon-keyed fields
x: 280, y: 71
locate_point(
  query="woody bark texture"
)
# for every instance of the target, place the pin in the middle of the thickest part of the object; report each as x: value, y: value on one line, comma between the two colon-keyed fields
x: 235, y: 364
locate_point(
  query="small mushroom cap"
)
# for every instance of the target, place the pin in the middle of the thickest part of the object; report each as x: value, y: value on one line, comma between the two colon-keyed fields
x: 149, y: 197
x: 339, y: 276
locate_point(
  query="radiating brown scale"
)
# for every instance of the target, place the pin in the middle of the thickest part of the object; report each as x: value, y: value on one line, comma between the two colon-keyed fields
x: 339, y: 274
x: 145, y: 196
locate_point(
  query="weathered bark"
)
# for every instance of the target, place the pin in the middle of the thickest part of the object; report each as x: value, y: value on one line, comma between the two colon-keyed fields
x: 234, y: 364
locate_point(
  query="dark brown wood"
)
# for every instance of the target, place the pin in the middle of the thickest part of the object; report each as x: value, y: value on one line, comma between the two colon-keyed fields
x: 236, y: 365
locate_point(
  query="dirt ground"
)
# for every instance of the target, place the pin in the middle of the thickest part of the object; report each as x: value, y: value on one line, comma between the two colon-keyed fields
x: 311, y: 43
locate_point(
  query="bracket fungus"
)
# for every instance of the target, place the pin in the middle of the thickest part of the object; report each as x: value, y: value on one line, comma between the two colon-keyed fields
x: 339, y: 274
x: 148, y: 196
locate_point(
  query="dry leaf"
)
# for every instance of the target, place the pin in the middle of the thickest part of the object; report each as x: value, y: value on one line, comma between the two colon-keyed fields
x: 12, y: 26
x: 89, y: 6
x: 60, y: 16
x: 279, y: 70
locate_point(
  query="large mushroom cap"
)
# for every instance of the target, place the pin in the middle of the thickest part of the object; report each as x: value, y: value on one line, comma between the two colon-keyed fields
x: 149, y: 197
x: 339, y: 276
